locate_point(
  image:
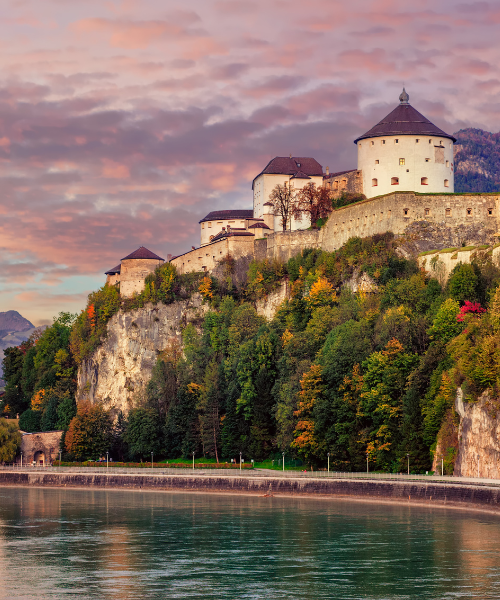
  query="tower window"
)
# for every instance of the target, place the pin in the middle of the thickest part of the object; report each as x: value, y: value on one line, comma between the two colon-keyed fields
x: 427, y: 160
x: 447, y: 163
x: 374, y: 182
x: 373, y: 143
x: 377, y: 162
x: 396, y: 141
x: 203, y: 225
x: 424, y: 181
x: 490, y: 212
x: 430, y: 141
x: 405, y: 211
x: 446, y: 183
x: 417, y: 141
x: 427, y: 212
x: 394, y: 180
x: 383, y: 141
x: 469, y: 212
x: 448, y: 212
x: 401, y: 161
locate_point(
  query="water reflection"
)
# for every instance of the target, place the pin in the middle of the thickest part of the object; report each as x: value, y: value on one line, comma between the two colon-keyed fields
x: 118, y: 545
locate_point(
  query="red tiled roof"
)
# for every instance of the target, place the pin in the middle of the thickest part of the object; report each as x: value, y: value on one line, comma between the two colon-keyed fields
x: 300, y: 175
x: 404, y: 120
x: 143, y: 253
x: 284, y: 165
x: 220, y: 215
x: 114, y: 270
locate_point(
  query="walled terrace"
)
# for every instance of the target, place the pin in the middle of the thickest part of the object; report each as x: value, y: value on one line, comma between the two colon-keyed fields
x: 482, y: 494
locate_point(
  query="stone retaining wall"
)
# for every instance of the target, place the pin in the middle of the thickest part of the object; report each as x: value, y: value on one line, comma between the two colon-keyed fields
x: 443, y: 494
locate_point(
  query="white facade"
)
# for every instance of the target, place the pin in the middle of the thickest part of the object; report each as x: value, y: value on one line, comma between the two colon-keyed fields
x: 264, y: 185
x: 406, y: 163
x: 209, y: 229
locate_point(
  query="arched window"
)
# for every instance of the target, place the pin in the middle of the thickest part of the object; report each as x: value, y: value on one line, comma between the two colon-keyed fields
x: 344, y: 183
x: 394, y: 180
x: 446, y: 183
x: 336, y: 185
x: 424, y: 181
x: 374, y: 182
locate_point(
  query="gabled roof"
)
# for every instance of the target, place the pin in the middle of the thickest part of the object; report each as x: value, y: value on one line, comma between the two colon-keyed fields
x: 114, y: 270
x: 143, y: 253
x: 300, y: 175
x: 259, y: 226
x: 404, y: 120
x: 219, y: 215
x: 284, y: 165
x: 223, y: 234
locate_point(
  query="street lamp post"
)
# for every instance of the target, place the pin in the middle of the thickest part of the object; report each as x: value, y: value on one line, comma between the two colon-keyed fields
x: 408, y: 457
x: 151, y: 460
x: 21, y: 460
x: 193, y: 460
x: 442, y: 466
x: 107, y: 460
x: 478, y: 466
x: 328, y: 462
x: 240, y: 461
x: 367, y: 457
x: 283, y: 461
x: 60, y: 461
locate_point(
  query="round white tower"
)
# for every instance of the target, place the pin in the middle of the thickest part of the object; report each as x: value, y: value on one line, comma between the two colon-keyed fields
x: 405, y: 152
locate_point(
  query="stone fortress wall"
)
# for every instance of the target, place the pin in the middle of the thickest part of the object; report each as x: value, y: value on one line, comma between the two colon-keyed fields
x: 41, y: 448
x: 133, y: 273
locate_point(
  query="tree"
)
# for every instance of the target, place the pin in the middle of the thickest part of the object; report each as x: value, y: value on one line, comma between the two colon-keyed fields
x: 463, y: 283
x: 314, y: 202
x: 446, y: 325
x: 209, y: 407
x: 10, y: 440
x: 89, y: 433
x: 143, y: 433
x: 284, y: 200
x: 30, y: 421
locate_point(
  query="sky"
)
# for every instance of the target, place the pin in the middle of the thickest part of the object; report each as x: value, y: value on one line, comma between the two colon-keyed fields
x: 124, y: 122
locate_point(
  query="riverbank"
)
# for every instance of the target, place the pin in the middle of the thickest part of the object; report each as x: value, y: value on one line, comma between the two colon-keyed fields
x: 459, y: 493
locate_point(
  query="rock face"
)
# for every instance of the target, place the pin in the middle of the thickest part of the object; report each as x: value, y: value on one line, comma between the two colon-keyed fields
x: 478, y: 437
x: 267, y: 307
x: 122, y: 365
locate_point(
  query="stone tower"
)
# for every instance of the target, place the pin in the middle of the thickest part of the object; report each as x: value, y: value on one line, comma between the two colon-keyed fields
x: 405, y: 152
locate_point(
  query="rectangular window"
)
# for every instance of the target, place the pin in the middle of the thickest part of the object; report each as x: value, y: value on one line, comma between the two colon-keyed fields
x: 203, y: 225
x: 417, y: 141
x: 383, y: 141
x: 210, y: 225
x: 377, y: 162
x: 448, y: 212
x: 401, y: 161
x: 396, y: 141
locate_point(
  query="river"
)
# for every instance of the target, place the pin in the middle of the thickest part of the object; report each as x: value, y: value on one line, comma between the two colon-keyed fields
x: 66, y: 543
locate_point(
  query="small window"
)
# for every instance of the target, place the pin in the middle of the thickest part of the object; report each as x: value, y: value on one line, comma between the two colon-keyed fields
x: 405, y: 211
x: 427, y: 212
x: 298, y: 164
x: 374, y: 182
x: 203, y: 225
x: 490, y: 212
x: 394, y: 180
x: 469, y: 212
x: 447, y: 163
x: 396, y: 141
x: 336, y: 185
x: 344, y: 183
x: 424, y: 181
x: 383, y: 141
x: 417, y: 141
x: 446, y: 183
x: 209, y: 225
x: 401, y: 161
x: 373, y: 143
x: 377, y: 162
x: 430, y: 141
x: 448, y: 212
x: 427, y: 160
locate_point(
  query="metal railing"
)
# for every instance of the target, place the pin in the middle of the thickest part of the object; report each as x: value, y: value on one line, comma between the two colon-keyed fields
x: 261, y: 473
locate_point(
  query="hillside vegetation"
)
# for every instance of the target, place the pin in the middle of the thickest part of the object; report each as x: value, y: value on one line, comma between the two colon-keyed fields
x: 477, y: 161
x: 354, y: 375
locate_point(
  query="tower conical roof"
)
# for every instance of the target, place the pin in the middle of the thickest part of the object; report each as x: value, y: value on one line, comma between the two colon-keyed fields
x: 404, y: 120
x: 143, y: 253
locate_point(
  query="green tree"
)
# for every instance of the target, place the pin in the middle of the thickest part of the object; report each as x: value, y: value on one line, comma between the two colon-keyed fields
x: 463, y: 283
x: 10, y: 440
x: 30, y: 421
x: 445, y: 325
x: 89, y: 433
x: 143, y: 433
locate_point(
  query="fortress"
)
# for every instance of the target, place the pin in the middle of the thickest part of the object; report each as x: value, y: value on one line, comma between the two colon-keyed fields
x: 406, y: 173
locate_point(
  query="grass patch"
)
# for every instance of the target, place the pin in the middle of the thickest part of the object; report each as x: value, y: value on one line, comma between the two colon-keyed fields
x: 446, y: 250
x: 427, y: 252
x: 467, y: 248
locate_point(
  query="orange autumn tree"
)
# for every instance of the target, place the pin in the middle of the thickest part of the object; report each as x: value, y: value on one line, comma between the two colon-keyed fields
x: 305, y: 440
x: 322, y: 293
x: 89, y: 433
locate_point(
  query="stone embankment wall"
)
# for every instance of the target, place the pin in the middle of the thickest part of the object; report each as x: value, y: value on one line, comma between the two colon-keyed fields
x: 123, y: 364
x: 478, y: 437
x: 441, y: 264
x: 433, y: 493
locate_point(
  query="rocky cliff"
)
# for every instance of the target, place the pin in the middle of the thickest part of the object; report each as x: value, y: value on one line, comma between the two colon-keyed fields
x: 478, y: 437
x: 122, y: 365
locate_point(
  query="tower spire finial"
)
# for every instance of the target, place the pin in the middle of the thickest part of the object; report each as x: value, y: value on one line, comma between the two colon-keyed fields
x: 404, y: 98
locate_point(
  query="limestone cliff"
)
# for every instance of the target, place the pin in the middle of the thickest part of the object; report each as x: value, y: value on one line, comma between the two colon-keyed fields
x: 478, y: 437
x: 123, y: 364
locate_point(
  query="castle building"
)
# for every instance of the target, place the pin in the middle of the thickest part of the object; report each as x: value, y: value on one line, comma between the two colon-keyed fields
x: 133, y: 270
x: 405, y: 152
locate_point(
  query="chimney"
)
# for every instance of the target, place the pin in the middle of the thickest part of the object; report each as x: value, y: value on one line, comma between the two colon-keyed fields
x: 169, y: 257
x: 327, y: 171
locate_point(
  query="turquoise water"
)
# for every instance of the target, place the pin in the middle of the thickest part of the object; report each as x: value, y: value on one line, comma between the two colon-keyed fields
x: 58, y: 544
